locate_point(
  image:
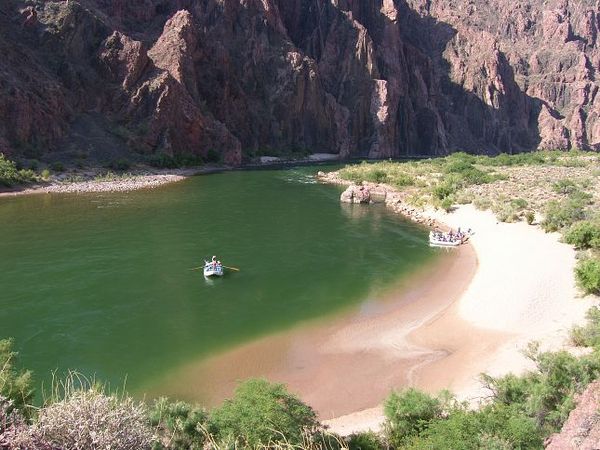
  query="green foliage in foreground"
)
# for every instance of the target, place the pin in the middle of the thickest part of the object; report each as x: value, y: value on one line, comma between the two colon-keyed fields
x: 15, y: 385
x: 10, y: 176
x: 587, y: 273
x: 416, y: 420
x: 263, y: 413
x: 523, y: 409
x: 179, y: 425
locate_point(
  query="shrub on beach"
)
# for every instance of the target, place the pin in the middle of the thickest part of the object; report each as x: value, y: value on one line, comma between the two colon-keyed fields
x: 260, y: 414
x: 563, y: 214
x: 588, y: 335
x: 584, y: 235
x: 587, y: 273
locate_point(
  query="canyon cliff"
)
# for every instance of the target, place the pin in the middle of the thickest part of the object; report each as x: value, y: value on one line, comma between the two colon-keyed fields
x: 227, y: 79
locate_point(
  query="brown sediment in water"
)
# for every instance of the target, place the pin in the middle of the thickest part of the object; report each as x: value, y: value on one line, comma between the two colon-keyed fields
x: 411, y: 336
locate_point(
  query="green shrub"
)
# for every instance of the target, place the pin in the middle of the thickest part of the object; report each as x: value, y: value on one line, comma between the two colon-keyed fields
x: 447, y: 204
x: 519, y: 203
x: 492, y: 427
x: 14, y: 384
x: 408, y: 413
x: 529, y: 217
x: 57, y: 166
x: 562, y: 214
x: 376, y: 176
x: 365, y: 441
x: 401, y: 180
x: 564, y: 186
x: 45, y: 174
x: 262, y: 413
x: 546, y: 394
x: 178, y: 425
x: 10, y: 175
x: 587, y: 273
x: 506, y: 212
x: 588, y: 335
x: 482, y: 203
x: 444, y: 190
x: 583, y: 235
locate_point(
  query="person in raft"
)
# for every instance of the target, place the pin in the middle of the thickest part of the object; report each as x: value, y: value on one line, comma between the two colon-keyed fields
x: 214, y: 262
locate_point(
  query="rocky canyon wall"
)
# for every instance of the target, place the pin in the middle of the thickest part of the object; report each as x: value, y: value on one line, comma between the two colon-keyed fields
x: 225, y: 79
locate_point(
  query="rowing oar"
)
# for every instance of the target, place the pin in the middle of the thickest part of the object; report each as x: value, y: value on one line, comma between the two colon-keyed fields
x: 197, y: 268
x: 232, y: 268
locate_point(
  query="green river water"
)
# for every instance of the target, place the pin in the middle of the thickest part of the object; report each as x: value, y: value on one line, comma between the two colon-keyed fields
x: 101, y: 283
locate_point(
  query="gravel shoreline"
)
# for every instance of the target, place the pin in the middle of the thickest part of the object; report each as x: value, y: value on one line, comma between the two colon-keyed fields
x: 98, y: 181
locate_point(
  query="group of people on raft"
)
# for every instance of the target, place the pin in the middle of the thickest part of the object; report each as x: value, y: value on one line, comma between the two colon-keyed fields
x: 450, y: 236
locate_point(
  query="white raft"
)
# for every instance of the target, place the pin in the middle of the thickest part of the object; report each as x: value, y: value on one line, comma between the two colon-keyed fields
x: 443, y: 240
x: 213, y: 270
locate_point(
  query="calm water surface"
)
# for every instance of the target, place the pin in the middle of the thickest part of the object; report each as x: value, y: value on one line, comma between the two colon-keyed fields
x: 101, y: 282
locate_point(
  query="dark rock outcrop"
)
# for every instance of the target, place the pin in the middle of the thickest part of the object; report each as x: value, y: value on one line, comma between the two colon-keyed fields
x: 227, y: 78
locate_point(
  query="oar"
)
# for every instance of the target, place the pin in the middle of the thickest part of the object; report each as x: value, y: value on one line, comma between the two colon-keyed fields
x: 197, y: 268
x: 232, y: 268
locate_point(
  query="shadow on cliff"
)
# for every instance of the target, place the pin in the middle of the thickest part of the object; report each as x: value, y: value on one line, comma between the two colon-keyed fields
x: 433, y: 112
x: 507, y: 121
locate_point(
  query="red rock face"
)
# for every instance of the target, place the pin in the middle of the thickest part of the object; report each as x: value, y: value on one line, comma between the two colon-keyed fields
x: 581, y: 431
x: 377, y: 78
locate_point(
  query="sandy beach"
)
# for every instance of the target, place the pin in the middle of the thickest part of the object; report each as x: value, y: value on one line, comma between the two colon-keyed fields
x: 523, y: 290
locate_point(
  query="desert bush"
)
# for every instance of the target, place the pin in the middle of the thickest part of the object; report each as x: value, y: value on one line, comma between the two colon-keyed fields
x: 584, y: 234
x: 179, y: 425
x: 506, y: 212
x: 365, y: 441
x: 45, y: 174
x: 15, y: 384
x: 564, y: 186
x: 87, y: 418
x: 564, y: 213
x: 10, y: 175
x: 447, y: 204
x: 495, y: 427
x: 588, y: 335
x: 529, y: 217
x: 464, y: 198
x: 262, y: 413
x: 546, y: 394
x: 519, y: 203
x: 408, y: 413
x: 587, y: 273
x: 482, y: 203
